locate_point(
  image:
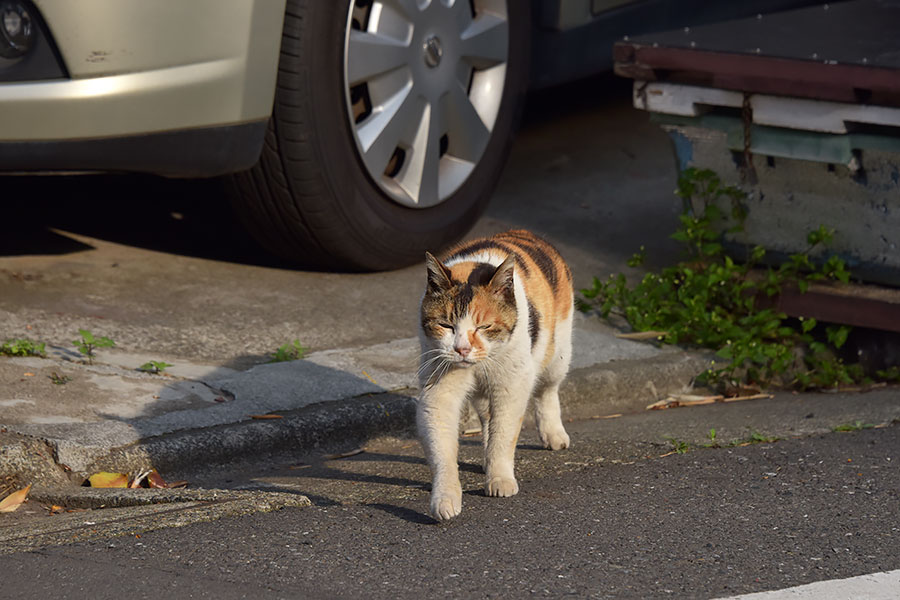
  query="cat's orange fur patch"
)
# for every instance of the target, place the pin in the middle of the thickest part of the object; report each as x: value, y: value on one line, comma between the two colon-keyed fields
x: 544, y: 274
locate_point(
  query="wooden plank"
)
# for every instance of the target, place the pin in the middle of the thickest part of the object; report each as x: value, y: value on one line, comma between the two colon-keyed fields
x: 869, y: 306
x: 847, y: 52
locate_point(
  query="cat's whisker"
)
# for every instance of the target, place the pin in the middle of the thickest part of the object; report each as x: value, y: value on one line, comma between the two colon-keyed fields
x: 424, y: 365
x: 427, y: 364
x: 439, y: 371
x: 432, y: 351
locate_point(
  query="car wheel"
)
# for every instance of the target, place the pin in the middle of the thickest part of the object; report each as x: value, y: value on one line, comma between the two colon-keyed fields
x: 391, y: 124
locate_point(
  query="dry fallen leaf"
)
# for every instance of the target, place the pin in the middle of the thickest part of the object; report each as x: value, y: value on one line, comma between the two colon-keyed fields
x: 688, y: 399
x: 750, y: 397
x: 266, y: 417
x: 659, y: 405
x: 641, y: 335
x: 155, y: 480
x: 105, y: 479
x: 14, y: 500
x: 344, y: 454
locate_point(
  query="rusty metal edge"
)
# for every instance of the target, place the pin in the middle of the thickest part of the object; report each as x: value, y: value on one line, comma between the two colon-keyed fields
x: 760, y: 74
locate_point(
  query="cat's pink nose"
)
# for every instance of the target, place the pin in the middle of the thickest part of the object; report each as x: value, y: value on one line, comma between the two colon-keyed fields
x: 463, y: 350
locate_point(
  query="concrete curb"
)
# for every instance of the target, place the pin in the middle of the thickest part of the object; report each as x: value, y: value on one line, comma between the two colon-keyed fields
x: 312, y: 428
x: 624, y: 386
x: 621, y: 385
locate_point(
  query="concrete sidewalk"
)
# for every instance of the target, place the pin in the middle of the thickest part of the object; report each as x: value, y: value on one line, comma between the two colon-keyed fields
x: 109, y: 416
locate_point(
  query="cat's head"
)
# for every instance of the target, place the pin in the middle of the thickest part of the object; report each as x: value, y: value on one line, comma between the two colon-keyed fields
x: 469, y: 309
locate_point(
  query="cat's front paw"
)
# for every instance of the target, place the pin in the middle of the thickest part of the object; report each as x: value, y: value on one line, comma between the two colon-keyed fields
x: 445, y: 506
x: 501, y: 487
x: 555, y: 440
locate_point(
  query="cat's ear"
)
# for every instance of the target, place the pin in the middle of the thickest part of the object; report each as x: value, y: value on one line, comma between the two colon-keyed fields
x: 502, y: 280
x: 438, y: 276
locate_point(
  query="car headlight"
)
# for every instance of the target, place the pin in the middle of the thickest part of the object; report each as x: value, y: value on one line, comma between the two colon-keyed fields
x: 17, y: 31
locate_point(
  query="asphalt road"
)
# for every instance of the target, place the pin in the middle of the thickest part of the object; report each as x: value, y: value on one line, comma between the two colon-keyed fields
x: 160, y: 267
x: 618, y: 515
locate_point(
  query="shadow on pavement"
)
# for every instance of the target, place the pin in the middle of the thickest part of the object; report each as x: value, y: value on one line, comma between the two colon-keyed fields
x: 186, y: 217
x: 194, y: 217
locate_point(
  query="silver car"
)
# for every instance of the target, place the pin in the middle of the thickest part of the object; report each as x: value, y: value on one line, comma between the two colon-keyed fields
x: 352, y: 133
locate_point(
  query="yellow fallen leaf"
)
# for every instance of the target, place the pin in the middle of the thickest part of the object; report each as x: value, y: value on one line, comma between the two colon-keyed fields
x: 105, y: 479
x: 28, y: 374
x: 14, y: 500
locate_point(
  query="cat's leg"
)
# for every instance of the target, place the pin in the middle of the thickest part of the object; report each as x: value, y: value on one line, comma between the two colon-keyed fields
x: 548, y: 418
x: 437, y: 418
x: 508, y: 406
x: 482, y: 407
x: 547, y: 415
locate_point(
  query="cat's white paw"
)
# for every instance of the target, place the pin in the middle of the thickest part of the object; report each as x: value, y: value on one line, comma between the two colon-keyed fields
x: 445, y: 506
x: 555, y: 440
x: 501, y: 487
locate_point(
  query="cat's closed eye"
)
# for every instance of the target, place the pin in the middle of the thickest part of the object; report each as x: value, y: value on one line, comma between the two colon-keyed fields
x: 446, y: 325
x: 488, y: 326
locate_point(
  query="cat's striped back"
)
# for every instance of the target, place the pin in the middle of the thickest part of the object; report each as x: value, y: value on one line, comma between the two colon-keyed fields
x: 543, y: 273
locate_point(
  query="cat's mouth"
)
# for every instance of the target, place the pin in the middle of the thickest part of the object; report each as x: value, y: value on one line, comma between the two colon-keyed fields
x: 464, y: 363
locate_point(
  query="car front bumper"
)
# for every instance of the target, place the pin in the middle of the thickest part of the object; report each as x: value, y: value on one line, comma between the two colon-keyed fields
x: 191, y: 81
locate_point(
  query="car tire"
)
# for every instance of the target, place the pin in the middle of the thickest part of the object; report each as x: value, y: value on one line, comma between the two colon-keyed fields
x: 310, y: 198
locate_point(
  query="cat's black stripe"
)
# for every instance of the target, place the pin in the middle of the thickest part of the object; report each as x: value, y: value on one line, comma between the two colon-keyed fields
x: 487, y: 245
x: 542, y: 260
x: 533, y: 323
x: 463, y: 298
x: 481, y: 274
x: 475, y: 247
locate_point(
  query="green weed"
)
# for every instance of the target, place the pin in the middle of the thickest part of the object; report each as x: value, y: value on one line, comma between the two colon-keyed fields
x: 290, y: 351
x: 678, y: 446
x: 58, y: 379
x: 154, y: 366
x: 713, y: 301
x: 22, y: 347
x: 89, y: 342
x: 854, y: 426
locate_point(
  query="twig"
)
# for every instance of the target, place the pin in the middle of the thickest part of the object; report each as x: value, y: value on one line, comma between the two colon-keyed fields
x: 641, y: 335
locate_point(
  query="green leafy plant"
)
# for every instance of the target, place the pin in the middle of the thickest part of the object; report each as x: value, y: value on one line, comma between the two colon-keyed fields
x: 89, y: 342
x: 22, y: 347
x: 290, y: 351
x: 154, y: 366
x: 713, y: 301
x: 678, y: 446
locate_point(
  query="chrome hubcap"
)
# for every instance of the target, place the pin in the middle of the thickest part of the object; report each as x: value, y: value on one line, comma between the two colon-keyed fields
x: 423, y: 84
x: 433, y: 52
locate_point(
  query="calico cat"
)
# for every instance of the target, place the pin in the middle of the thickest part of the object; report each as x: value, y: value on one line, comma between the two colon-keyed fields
x: 496, y: 329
